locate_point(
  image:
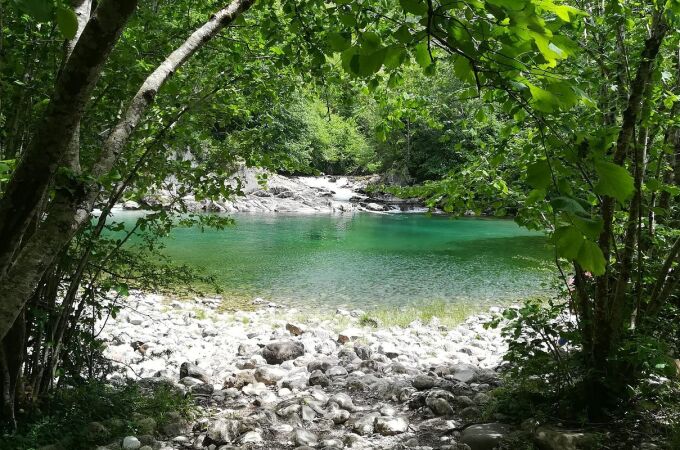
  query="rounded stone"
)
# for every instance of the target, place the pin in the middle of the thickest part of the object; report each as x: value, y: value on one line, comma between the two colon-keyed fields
x: 131, y: 443
x: 278, y: 352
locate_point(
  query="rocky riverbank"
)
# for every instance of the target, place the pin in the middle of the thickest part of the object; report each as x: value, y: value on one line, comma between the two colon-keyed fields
x: 277, y: 379
x: 266, y: 192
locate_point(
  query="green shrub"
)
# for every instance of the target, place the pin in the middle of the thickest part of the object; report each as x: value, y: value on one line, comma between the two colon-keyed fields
x: 66, y: 418
x: 544, y: 373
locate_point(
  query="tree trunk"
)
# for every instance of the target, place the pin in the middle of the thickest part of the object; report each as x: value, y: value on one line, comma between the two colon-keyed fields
x: 71, y: 207
x: 12, y: 350
x: 38, y: 166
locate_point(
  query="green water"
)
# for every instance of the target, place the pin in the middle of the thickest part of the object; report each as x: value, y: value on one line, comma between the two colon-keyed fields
x: 367, y: 260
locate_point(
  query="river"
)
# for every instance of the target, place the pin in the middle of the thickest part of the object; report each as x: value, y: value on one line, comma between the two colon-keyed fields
x: 367, y: 260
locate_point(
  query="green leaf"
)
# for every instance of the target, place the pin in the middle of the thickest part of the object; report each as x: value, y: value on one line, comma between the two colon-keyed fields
x: 590, y: 227
x: 370, y: 41
x: 403, y: 34
x: 590, y: 257
x: 615, y: 181
x: 348, y: 20
x: 516, y: 5
x: 339, y: 41
x: 67, y: 22
x: 371, y: 63
x: 564, y: 12
x: 422, y: 55
x: 394, y: 56
x: 463, y: 70
x: 417, y: 7
x: 543, y: 100
x: 535, y: 196
x: 538, y: 174
x: 568, y: 242
x: 567, y: 204
x: 122, y: 289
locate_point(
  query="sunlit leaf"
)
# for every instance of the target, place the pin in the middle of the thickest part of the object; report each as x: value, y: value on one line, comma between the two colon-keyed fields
x: 615, y: 181
x: 590, y: 257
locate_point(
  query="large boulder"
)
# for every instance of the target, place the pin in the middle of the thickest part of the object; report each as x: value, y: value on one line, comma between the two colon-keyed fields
x: 485, y: 436
x: 278, y: 352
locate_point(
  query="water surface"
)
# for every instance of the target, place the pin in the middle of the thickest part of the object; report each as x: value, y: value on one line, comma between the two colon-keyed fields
x: 366, y: 260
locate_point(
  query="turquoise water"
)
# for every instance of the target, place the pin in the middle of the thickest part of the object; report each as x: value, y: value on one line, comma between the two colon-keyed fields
x: 367, y: 260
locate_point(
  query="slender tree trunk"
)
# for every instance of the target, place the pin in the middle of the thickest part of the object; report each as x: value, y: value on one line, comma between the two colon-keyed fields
x: 147, y: 92
x: 605, y: 299
x: 11, y: 363
x: 72, y: 205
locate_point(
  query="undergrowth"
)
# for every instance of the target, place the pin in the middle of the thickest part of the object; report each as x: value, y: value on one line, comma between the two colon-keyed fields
x: 65, y: 420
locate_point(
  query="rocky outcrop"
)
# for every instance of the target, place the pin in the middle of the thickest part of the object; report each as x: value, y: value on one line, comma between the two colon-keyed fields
x: 266, y: 192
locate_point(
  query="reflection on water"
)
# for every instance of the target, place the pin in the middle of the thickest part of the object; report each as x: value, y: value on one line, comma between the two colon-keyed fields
x: 365, y: 260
